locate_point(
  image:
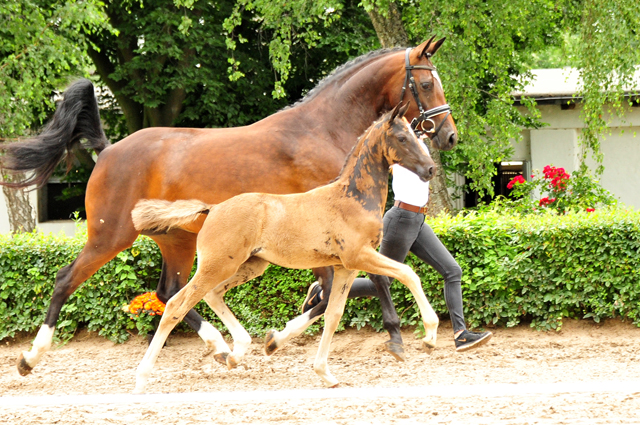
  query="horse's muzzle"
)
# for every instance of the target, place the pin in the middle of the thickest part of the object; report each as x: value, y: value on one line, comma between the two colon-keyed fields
x: 427, y: 173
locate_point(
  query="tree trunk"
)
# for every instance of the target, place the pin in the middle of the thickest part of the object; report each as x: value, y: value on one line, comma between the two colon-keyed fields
x: 391, y: 33
x: 21, y: 214
x: 439, y: 199
x: 389, y: 26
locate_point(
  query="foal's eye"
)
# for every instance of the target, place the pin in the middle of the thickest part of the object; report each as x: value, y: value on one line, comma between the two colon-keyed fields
x: 402, y: 139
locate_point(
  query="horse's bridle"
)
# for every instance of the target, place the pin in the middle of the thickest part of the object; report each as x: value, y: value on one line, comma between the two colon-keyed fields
x: 417, y: 124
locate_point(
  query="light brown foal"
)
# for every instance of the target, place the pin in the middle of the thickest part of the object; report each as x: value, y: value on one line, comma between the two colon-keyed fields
x: 338, y: 225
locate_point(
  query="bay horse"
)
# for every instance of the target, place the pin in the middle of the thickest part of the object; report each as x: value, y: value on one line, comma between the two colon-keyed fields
x: 213, y: 165
x: 339, y: 225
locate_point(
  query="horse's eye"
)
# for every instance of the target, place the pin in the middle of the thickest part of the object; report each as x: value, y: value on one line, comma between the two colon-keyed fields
x: 426, y: 85
x: 402, y: 139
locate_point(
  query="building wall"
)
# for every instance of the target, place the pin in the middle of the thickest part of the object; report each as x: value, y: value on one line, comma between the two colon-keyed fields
x: 558, y: 144
x: 67, y: 227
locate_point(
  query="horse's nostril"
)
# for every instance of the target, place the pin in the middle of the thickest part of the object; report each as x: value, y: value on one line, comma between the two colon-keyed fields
x: 453, y: 138
x: 431, y: 171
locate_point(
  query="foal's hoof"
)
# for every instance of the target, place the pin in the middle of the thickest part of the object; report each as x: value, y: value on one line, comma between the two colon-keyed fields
x: 396, y: 350
x: 428, y: 348
x: 270, y: 345
x: 232, y: 362
x: 23, y: 368
x: 221, y: 358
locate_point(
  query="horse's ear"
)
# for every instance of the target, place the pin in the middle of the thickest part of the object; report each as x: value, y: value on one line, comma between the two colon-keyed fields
x: 403, y: 110
x: 431, y: 49
x: 398, y: 111
x: 424, y: 46
x: 394, y: 113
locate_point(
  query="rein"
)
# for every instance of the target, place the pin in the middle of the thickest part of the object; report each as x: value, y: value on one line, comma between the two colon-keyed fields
x: 417, y: 124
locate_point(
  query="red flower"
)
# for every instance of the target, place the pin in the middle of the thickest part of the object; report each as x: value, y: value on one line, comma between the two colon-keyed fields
x: 516, y: 180
x: 546, y: 201
x: 591, y: 209
x: 557, y: 176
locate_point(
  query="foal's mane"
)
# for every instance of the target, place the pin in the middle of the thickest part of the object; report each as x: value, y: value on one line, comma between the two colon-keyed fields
x: 358, y: 145
x: 344, y: 70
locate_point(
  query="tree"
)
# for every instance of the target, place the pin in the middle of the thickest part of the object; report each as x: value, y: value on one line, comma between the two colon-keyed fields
x: 38, y: 54
x: 391, y: 33
x: 489, y: 49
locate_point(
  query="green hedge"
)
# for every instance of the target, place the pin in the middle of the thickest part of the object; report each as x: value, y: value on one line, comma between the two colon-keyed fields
x: 535, y: 269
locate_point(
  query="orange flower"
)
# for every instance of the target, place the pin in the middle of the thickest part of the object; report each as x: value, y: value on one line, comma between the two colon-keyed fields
x: 147, y: 302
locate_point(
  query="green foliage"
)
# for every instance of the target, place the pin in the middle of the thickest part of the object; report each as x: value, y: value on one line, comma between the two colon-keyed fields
x: 607, y: 56
x: 532, y: 269
x: 41, y: 49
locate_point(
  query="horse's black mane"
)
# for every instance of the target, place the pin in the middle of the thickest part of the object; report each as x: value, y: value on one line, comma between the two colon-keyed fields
x: 341, y: 70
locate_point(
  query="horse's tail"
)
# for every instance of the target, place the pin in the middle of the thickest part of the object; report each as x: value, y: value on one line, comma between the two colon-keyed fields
x: 156, y: 215
x: 76, y: 117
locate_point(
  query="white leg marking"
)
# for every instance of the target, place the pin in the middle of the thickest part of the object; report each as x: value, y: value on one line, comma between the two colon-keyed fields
x: 294, y: 328
x: 213, y: 338
x: 241, y: 338
x: 41, y: 345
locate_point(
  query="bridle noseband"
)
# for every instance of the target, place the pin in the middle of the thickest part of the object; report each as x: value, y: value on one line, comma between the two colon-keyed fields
x: 417, y: 124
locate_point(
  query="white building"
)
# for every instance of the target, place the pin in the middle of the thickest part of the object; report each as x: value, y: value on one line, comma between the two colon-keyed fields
x: 556, y: 144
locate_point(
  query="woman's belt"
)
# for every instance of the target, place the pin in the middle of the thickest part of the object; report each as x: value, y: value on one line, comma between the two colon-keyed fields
x: 409, y: 207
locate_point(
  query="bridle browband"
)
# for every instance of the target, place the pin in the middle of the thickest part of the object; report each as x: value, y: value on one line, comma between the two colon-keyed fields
x: 417, y: 124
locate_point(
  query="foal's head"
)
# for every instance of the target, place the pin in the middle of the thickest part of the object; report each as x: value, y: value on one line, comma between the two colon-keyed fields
x: 402, y: 146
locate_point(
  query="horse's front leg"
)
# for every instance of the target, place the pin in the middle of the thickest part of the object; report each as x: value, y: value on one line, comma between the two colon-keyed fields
x: 251, y: 269
x: 275, y: 340
x: 390, y: 319
x: 343, y: 278
x: 372, y: 261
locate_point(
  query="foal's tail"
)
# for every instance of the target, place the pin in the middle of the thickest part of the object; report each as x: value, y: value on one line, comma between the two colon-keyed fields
x: 77, y: 117
x: 156, y: 215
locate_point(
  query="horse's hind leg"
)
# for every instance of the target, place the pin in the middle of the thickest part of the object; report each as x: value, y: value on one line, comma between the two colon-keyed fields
x: 178, y: 250
x: 390, y: 319
x: 275, y: 340
x: 251, y: 269
x: 93, y: 256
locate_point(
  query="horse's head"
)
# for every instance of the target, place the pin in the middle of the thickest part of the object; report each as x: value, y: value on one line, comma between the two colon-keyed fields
x: 430, y: 109
x: 403, y: 147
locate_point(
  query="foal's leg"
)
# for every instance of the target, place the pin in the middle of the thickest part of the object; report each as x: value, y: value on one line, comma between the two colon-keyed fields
x: 343, y: 279
x: 251, y: 269
x: 274, y: 340
x: 371, y: 261
x: 175, y: 310
x: 178, y: 250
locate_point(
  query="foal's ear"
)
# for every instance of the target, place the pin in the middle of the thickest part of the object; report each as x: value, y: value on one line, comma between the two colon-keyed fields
x: 403, y: 110
x: 398, y: 111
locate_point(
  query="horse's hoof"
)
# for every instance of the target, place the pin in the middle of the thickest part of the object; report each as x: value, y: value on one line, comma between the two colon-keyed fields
x: 396, y: 350
x: 232, y: 362
x: 335, y: 386
x: 221, y: 358
x: 270, y: 345
x: 428, y: 348
x: 23, y: 367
